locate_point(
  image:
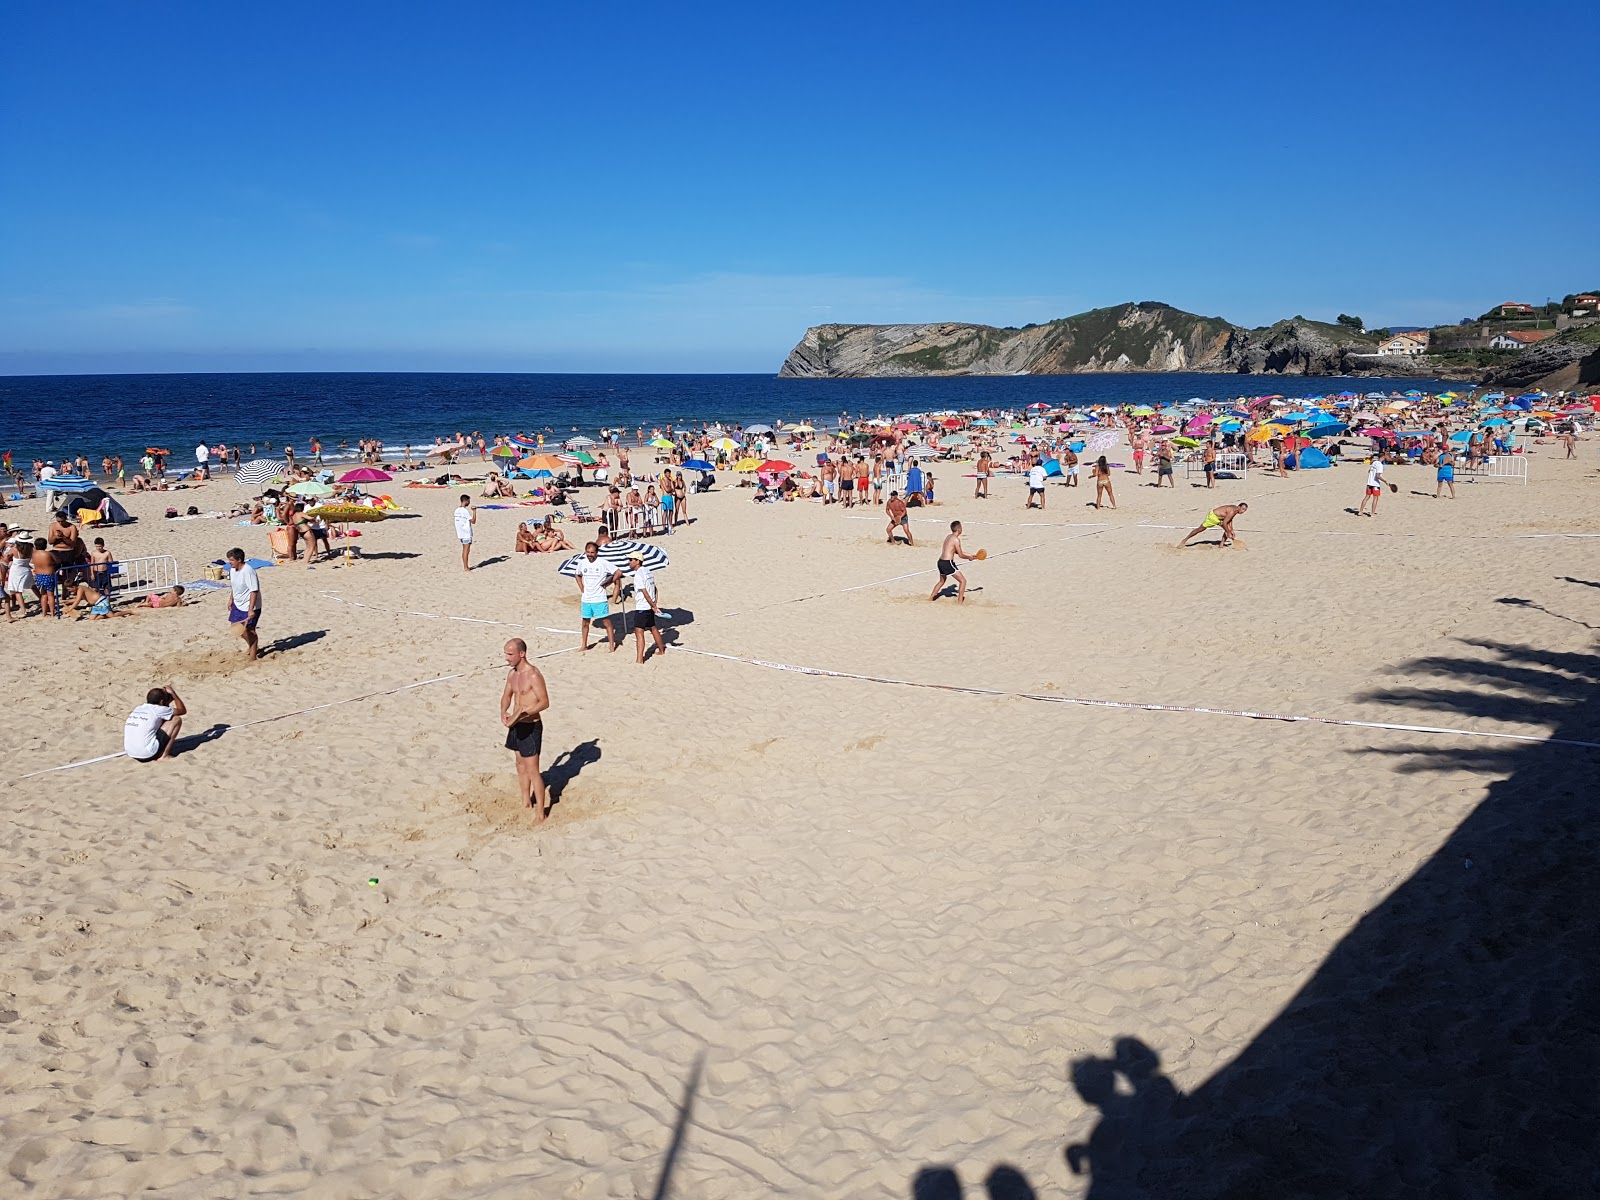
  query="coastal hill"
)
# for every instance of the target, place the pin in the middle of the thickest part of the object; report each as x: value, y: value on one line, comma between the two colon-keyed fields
x: 1150, y: 336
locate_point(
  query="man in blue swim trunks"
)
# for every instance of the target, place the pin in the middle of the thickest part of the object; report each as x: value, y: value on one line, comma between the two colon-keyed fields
x: 594, y: 575
x: 244, y: 606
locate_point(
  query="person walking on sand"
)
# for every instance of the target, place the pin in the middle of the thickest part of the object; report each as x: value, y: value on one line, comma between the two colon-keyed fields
x: 522, y: 706
x: 1102, y: 482
x: 466, y: 518
x: 1375, y: 482
x: 244, y: 605
x: 948, y: 553
x: 899, y: 520
x: 1222, y: 515
x: 594, y: 575
x: 980, y: 488
x: 646, y: 606
x: 152, y: 728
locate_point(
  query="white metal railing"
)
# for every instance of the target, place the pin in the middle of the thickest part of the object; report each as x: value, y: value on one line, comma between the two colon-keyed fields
x: 154, y: 574
x: 1498, y: 466
x: 1231, y: 464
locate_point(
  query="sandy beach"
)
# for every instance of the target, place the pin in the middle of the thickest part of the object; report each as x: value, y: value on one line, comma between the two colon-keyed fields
x: 890, y: 916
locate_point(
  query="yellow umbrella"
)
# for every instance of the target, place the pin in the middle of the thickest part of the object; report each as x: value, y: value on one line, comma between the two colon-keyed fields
x: 802, y: 428
x: 747, y: 464
x: 725, y: 444
x: 662, y: 444
x: 1267, y: 432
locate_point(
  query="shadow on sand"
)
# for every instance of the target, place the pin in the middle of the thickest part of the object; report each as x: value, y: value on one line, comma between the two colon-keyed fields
x: 568, y: 766
x: 1449, y: 1045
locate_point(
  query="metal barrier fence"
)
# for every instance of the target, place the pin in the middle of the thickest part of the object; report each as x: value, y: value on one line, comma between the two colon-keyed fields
x: 1497, y: 466
x: 1231, y: 464
x: 154, y: 574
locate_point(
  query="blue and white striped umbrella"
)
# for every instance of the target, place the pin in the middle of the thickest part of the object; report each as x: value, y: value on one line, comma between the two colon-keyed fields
x: 617, y: 553
x: 67, y: 483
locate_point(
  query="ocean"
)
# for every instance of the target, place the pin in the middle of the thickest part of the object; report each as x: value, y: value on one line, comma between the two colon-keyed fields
x: 57, y: 416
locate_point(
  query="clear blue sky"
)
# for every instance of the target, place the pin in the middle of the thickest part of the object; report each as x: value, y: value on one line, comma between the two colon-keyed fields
x: 678, y: 187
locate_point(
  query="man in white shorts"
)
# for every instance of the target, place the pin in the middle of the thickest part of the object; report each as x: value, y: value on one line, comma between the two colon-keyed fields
x: 153, y: 726
x: 466, y: 518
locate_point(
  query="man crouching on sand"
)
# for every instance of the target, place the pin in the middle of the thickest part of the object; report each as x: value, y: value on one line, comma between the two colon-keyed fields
x: 1222, y: 515
x: 521, y: 704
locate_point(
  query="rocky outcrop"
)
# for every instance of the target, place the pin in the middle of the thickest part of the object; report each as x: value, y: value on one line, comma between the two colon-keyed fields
x: 1127, y: 337
x: 1568, y: 360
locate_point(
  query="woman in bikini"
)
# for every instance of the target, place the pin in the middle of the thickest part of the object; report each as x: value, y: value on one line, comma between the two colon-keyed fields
x: 1102, y: 482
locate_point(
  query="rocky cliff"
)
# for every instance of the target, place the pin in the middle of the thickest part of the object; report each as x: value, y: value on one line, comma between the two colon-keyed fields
x: 1569, y: 360
x: 1127, y: 337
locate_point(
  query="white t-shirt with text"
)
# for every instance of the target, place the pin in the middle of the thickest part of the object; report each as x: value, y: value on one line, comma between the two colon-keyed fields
x: 464, y: 523
x: 594, y: 575
x: 139, y: 734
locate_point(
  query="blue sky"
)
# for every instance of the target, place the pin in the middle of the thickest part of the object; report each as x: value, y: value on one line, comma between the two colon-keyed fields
x: 494, y: 186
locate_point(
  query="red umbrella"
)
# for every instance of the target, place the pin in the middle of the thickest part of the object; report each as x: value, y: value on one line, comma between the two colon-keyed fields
x: 776, y: 464
x: 365, y: 475
x: 951, y: 423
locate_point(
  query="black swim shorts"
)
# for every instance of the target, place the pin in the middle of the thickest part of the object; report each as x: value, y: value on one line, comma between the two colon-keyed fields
x: 946, y: 567
x: 526, y: 738
x: 644, y: 618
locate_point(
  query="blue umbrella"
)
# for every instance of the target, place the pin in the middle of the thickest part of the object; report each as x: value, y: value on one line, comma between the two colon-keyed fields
x: 1231, y: 426
x: 67, y: 483
x: 1464, y: 436
x: 698, y: 464
x: 1497, y: 421
x: 1330, y: 430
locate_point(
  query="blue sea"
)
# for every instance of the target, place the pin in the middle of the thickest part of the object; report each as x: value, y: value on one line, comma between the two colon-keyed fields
x: 61, y: 416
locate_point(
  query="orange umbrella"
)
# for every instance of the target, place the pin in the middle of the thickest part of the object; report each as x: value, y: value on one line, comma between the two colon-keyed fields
x: 541, y: 462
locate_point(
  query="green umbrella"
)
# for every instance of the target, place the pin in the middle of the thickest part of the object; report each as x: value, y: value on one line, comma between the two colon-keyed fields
x: 310, y: 487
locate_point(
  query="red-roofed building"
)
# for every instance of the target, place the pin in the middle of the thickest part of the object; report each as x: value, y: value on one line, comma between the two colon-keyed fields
x: 1584, y: 305
x: 1519, y: 339
x: 1514, y: 308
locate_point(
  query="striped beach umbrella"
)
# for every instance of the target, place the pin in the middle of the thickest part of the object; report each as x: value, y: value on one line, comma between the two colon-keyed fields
x: 577, y: 443
x: 617, y: 553
x: 67, y: 483
x: 258, y: 473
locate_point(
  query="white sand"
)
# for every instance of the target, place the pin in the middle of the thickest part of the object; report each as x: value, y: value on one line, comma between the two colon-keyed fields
x: 888, y: 916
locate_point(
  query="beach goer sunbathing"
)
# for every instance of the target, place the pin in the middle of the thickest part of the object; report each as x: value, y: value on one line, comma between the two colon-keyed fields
x: 171, y: 598
x: 1222, y: 515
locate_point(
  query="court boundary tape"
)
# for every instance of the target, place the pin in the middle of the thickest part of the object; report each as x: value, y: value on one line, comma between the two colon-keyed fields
x: 1089, y: 702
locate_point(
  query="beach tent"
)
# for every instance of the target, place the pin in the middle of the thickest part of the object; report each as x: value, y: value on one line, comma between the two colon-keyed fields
x: 91, y: 497
x: 1311, y: 459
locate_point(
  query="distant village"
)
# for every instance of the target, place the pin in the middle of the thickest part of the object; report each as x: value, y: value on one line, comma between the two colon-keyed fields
x: 1510, y: 326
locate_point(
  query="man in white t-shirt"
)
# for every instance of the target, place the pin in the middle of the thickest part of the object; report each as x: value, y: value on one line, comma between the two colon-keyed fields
x: 244, y: 605
x: 1035, y: 486
x: 594, y: 575
x: 153, y: 726
x: 646, y: 606
x: 1375, y: 483
x: 466, y: 518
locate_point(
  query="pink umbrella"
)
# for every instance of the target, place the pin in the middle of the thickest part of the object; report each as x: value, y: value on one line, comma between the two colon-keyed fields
x: 365, y: 475
x: 1197, y: 423
x: 1372, y: 431
x: 1165, y: 429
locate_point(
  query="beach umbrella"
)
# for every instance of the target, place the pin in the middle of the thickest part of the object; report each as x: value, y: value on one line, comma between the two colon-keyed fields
x: 922, y: 452
x: 776, y: 464
x: 663, y: 443
x: 504, y: 452
x: 1187, y: 443
x: 1165, y: 429
x: 526, y: 442
x: 348, y: 514
x: 540, y: 462
x: 802, y: 428
x: 578, y: 458
x: 66, y: 483
x: 1144, y: 410
x: 310, y: 487
x: 758, y: 428
x: 1497, y: 421
x: 258, y: 473
x: 955, y: 439
x: 577, y: 443
x: 1464, y: 436
x: 725, y: 443
x: 1101, y: 442
x: 1329, y: 430
x: 365, y: 475
x: 617, y: 553
x: 985, y: 422
x: 747, y: 464
x: 698, y: 464
x: 1231, y: 426
x: 1197, y: 423
x: 447, y: 448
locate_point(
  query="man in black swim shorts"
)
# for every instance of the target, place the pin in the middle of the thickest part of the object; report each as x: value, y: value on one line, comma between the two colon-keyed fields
x: 948, y: 553
x: 522, y: 705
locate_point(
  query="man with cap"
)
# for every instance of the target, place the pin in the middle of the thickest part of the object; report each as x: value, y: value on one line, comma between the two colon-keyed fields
x: 646, y: 606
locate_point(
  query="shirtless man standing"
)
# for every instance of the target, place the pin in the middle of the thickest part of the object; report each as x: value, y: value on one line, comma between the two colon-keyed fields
x: 1221, y: 515
x: 980, y: 489
x: 522, y: 702
x: 948, y: 553
x: 898, y: 520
